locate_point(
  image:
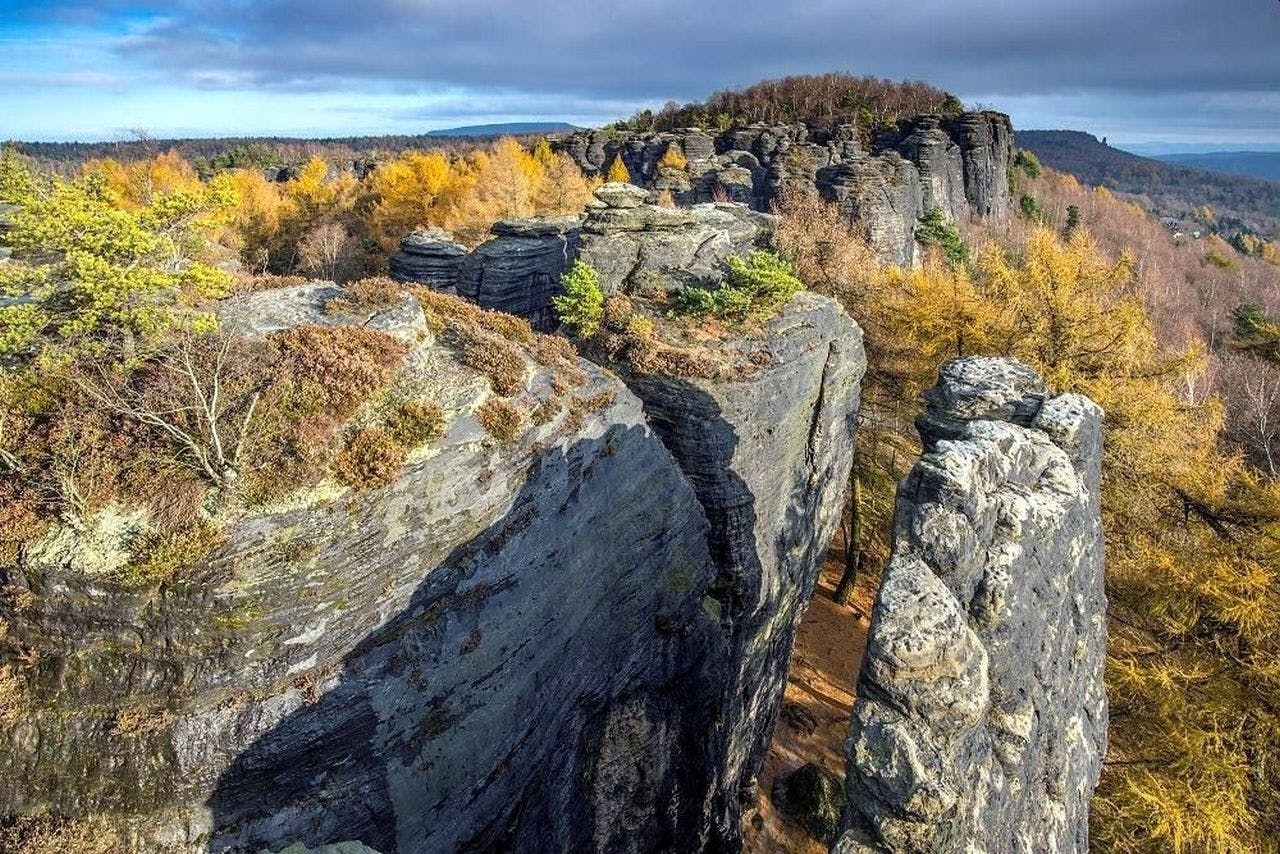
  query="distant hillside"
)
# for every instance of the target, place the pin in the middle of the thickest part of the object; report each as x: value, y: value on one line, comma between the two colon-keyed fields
x: 1254, y: 164
x: 1169, y: 190
x: 242, y: 152
x: 507, y: 129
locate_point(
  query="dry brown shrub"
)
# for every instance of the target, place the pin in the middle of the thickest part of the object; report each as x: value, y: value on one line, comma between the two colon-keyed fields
x: 499, y: 360
x: 416, y: 422
x: 51, y: 835
x: 581, y: 407
x: 500, y: 419
x: 617, y: 311
x: 369, y: 294
x: 322, y: 377
x: 371, y: 459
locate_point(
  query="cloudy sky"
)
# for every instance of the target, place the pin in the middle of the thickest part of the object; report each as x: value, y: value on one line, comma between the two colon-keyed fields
x: 1188, y: 71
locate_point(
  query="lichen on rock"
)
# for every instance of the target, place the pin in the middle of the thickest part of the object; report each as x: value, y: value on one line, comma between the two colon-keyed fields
x: 980, y: 723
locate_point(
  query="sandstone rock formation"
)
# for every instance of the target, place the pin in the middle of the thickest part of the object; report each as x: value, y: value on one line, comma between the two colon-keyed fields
x: 981, y: 720
x: 633, y: 244
x: 636, y: 246
x: 575, y: 640
x: 767, y: 449
x: 886, y: 180
x: 518, y: 271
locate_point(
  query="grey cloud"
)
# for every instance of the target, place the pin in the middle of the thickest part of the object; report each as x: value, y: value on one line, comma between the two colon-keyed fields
x: 607, y: 58
x: 679, y: 48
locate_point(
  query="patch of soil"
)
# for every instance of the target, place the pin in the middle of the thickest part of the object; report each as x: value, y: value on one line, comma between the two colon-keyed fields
x: 816, y: 706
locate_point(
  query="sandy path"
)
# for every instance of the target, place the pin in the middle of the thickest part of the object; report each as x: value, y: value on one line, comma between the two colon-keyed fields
x: 824, y: 665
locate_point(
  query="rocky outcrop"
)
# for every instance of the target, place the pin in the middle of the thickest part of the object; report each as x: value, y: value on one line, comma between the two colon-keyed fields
x: 981, y: 720
x: 959, y: 164
x: 518, y: 271
x: 767, y: 448
x: 573, y: 640
x: 634, y: 245
x: 429, y: 256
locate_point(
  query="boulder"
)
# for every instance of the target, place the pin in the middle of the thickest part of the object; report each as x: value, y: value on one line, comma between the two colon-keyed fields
x: 981, y: 718
x: 618, y: 194
x: 812, y: 797
x: 429, y: 256
x: 647, y: 247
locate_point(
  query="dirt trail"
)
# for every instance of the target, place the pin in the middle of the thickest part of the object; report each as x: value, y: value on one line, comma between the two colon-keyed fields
x: 824, y: 668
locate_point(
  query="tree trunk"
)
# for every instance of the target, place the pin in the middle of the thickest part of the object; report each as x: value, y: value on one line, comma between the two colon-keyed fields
x: 852, y: 543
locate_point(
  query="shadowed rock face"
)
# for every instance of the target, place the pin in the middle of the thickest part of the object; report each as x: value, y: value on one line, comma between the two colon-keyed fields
x: 981, y: 720
x: 518, y: 271
x: 959, y: 164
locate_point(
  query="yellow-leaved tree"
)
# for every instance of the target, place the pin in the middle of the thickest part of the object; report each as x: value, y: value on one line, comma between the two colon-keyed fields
x: 1192, y: 533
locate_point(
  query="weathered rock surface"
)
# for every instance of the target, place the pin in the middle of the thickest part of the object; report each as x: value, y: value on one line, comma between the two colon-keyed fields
x: 812, y: 797
x: 635, y: 246
x: 638, y: 247
x: 517, y: 271
x: 575, y: 641
x: 768, y: 453
x: 429, y: 256
x: 958, y: 164
x: 981, y: 720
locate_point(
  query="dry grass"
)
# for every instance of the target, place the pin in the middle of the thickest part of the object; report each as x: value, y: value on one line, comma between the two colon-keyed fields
x: 51, y: 835
x: 416, y: 422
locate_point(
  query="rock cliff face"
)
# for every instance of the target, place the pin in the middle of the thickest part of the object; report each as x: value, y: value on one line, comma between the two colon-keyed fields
x: 959, y: 164
x: 571, y: 641
x: 981, y: 720
x: 768, y: 454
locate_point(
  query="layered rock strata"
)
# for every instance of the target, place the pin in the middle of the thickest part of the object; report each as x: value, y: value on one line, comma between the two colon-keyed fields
x: 981, y: 720
x: 517, y: 271
x: 634, y: 245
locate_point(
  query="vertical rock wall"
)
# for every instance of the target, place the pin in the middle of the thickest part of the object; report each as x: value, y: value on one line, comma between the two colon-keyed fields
x: 981, y: 720
x: 768, y: 454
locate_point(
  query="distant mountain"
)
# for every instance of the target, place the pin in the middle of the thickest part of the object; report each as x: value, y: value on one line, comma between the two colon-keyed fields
x: 1167, y: 189
x: 507, y: 129
x: 1256, y: 164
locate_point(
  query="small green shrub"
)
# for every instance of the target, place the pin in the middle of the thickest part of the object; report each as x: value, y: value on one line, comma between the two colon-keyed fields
x: 1248, y: 319
x: 372, y: 458
x: 763, y: 280
x: 937, y: 230
x: 1030, y: 207
x: 1073, y: 219
x: 416, y: 422
x: 1028, y: 163
x: 766, y: 277
x: 500, y: 419
x: 582, y: 303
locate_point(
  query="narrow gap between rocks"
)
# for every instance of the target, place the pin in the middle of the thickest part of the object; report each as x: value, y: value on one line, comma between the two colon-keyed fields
x: 816, y: 706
